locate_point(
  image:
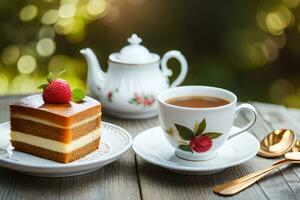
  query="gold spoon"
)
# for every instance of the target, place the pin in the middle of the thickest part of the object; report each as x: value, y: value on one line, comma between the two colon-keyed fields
x: 242, y: 183
x: 296, y: 147
x: 274, y: 144
x: 277, y: 143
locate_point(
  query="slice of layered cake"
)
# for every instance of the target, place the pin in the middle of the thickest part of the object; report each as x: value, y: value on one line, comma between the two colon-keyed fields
x: 59, y: 125
x: 59, y: 132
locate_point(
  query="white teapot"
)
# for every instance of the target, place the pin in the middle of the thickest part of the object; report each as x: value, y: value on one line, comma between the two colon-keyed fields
x: 133, y: 80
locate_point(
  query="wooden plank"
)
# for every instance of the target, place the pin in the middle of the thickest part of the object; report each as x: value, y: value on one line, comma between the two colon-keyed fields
x: 285, y: 183
x: 14, y: 185
x: 158, y: 183
x: 115, y: 181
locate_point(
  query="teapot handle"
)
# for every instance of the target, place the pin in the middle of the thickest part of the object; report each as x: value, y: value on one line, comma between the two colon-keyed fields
x: 183, y: 65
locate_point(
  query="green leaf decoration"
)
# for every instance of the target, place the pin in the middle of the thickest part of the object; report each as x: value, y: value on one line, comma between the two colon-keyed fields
x: 184, y: 132
x: 201, y: 127
x: 170, y: 131
x: 133, y: 101
x: 212, y: 135
x: 185, y: 148
x: 196, y: 126
x: 43, y: 86
x: 77, y: 95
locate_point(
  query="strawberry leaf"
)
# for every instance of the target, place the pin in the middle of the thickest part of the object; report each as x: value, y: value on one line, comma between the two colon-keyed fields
x: 201, y: 127
x: 184, y: 132
x: 43, y: 86
x: 60, y: 73
x: 212, y: 135
x: 185, y: 148
x: 77, y: 95
x: 50, y: 77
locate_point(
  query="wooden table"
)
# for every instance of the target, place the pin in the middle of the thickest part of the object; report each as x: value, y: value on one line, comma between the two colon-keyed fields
x: 132, y: 178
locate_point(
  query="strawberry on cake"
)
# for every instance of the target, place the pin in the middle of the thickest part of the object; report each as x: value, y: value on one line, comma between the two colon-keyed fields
x: 52, y: 126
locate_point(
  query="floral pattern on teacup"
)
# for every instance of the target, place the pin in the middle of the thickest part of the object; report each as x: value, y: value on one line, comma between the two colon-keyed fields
x: 145, y: 100
x: 195, y: 140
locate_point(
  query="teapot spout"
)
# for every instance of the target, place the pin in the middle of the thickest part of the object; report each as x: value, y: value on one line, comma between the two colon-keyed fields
x: 95, y: 75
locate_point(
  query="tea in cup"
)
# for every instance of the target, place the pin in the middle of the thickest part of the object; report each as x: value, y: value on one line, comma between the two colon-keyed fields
x: 197, y: 119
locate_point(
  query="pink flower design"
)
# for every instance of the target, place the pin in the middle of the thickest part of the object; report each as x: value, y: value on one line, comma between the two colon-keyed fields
x: 145, y: 100
x: 148, y: 102
x: 139, y: 99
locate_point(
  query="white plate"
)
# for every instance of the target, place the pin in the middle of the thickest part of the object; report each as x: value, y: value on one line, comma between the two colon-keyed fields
x: 115, y: 141
x: 153, y: 147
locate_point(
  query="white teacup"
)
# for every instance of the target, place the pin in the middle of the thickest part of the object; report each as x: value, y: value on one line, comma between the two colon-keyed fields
x: 197, y: 133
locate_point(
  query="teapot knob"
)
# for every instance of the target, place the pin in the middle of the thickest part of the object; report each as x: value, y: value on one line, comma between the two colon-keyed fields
x: 134, y: 39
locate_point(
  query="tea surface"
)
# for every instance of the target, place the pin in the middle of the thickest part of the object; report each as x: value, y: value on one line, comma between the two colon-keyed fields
x: 197, y: 101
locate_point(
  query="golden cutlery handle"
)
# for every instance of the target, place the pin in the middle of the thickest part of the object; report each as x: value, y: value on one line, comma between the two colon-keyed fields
x: 244, y: 178
x: 239, y: 184
x: 233, y: 189
x: 259, y: 172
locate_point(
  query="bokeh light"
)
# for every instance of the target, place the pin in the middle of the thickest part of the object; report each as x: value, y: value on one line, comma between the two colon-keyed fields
x: 95, y: 7
x: 275, y: 23
x: 4, y: 83
x: 59, y: 63
x: 26, y: 64
x: 279, y: 19
x: 10, y: 54
x: 50, y: 17
x: 291, y: 3
x: 63, y: 26
x: 271, y: 49
x: 28, y: 13
x: 67, y: 10
x: 23, y: 84
x: 46, y: 32
x: 45, y: 47
x: 258, y: 54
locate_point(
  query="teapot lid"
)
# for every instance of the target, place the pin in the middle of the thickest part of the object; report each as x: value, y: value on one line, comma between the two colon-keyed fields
x: 134, y: 53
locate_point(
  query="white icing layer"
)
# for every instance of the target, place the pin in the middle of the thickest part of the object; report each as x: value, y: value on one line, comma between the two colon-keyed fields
x: 55, y: 145
x: 41, y: 121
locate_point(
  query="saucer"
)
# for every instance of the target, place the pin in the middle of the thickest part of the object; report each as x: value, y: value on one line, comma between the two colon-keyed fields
x: 152, y: 146
x: 115, y: 141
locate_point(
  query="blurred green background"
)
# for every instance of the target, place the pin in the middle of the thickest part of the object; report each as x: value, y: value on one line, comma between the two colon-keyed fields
x: 249, y: 47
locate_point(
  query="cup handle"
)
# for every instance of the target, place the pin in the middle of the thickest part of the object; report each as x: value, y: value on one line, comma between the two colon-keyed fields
x: 248, y: 107
x: 183, y: 65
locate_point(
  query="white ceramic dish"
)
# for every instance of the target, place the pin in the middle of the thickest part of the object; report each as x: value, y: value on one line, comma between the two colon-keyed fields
x: 152, y: 146
x: 115, y: 141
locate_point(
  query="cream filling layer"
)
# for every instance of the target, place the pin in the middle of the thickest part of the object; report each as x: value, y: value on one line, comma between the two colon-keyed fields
x: 41, y: 121
x: 53, y: 145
